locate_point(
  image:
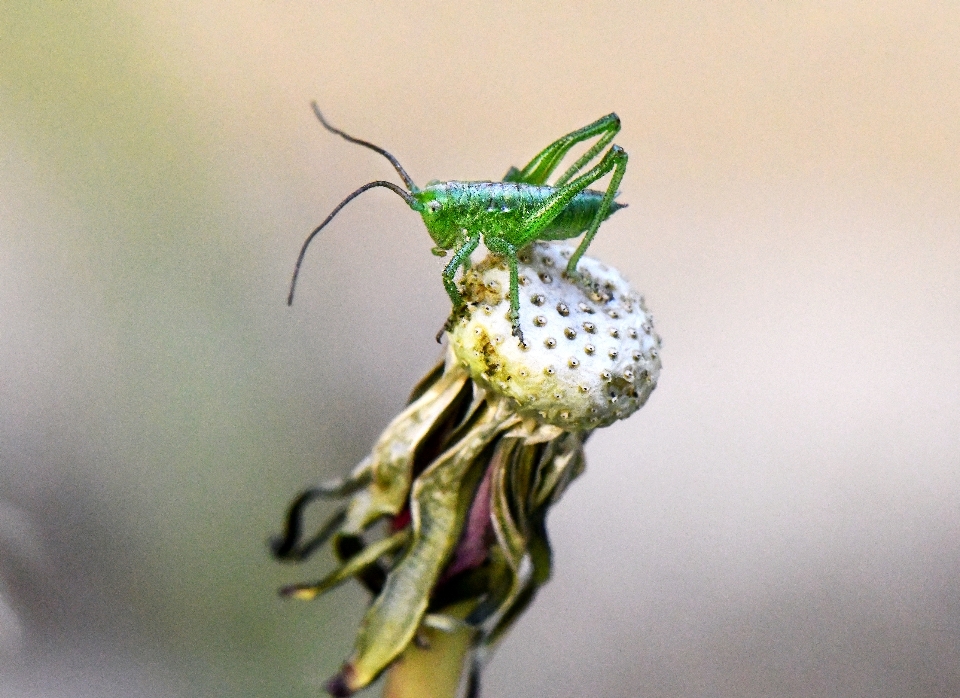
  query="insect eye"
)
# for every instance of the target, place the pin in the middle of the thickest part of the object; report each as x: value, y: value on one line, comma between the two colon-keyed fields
x: 433, y: 206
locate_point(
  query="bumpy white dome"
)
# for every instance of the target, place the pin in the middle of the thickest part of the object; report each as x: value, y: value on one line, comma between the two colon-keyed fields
x: 590, y: 355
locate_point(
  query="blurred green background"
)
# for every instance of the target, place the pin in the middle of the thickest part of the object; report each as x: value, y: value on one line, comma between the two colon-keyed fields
x: 783, y: 517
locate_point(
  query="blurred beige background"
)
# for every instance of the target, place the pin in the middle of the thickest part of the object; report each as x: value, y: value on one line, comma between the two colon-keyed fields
x: 782, y: 519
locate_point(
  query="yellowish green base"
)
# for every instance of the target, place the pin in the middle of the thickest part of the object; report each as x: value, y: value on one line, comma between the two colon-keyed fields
x: 431, y: 670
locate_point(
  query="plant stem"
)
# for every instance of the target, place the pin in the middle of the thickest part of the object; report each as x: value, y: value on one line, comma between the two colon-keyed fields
x: 430, y: 671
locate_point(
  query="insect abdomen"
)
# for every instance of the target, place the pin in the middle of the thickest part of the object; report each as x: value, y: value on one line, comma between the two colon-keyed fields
x: 577, y: 216
x: 486, y: 205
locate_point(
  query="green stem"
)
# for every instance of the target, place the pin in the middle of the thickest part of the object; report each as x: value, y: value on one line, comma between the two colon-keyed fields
x: 432, y: 670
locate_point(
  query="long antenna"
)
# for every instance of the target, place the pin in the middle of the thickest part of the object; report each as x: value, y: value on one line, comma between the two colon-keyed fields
x: 411, y: 202
x: 376, y: 148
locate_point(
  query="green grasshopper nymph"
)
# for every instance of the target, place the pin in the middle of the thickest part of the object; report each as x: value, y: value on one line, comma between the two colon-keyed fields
x: 510, y: 214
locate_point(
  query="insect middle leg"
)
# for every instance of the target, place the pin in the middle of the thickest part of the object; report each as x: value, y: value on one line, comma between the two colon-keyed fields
x: 508, y: 251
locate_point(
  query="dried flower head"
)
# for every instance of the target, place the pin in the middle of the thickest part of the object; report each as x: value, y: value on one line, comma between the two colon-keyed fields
x: 589, y: 356
x: 444, y: 521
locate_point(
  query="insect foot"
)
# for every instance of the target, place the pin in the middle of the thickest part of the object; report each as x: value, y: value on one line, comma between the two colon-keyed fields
x: 590, y: 355
x: 444, y: 522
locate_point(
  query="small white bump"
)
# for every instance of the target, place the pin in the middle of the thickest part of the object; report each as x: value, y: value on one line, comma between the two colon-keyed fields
x: 549, y: 370
x: 563, y: 309
x: 613, y: 353
x: 615, y: 333
x: 606, y: 375
x: 573, y: 362
x: 546, y: 278
x: 589, y: 327
x: 549, y: 342
x: 570, y: 333
x: 539, y: 321
x: 538, y: 299
x: 589, y: 349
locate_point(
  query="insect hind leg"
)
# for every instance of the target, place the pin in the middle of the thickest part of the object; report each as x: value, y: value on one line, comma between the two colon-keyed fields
x: 614, y: 160
x: 546, y: 161
x: 618, y: 159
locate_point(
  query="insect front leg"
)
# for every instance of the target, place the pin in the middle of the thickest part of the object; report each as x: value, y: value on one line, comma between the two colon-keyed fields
x: 460, y: 258
x: 546, y: 161
x: 450, y: 271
